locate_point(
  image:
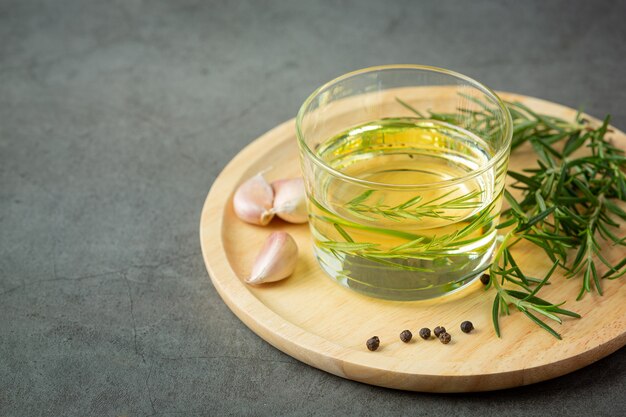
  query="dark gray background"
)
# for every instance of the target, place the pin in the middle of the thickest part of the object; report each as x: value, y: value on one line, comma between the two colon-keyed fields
x: 116, y: 117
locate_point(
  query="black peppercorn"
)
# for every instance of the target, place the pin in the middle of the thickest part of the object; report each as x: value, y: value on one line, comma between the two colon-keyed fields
x: 425, y: 333
x: 373, y: 343
x: 445, y: 338
x: 485, y: 278
x: 438, y: 330
x: 467, y: 326
x: 406, y: 336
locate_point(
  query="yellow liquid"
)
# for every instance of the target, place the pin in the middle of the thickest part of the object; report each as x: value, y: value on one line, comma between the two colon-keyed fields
x: 421, y: 224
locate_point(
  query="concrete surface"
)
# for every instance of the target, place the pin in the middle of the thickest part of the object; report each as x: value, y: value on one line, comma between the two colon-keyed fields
x: 115, y: 118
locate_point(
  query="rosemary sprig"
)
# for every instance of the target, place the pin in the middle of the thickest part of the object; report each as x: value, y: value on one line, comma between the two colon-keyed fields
x: 415, y: 247
x: 567, y: 206
x: 414, y: 208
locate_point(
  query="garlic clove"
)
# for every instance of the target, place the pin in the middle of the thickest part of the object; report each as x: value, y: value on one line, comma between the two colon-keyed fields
x: 290, y: 200
x: 276, y: 260
x: 253, y: 201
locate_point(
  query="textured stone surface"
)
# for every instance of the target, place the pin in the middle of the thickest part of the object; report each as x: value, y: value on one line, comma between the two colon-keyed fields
x: 115, y: 118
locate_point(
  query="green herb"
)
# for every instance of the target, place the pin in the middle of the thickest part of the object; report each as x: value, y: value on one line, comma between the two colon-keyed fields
x: 414, y: 208
x: 567, y: 205
x: 416, y: 247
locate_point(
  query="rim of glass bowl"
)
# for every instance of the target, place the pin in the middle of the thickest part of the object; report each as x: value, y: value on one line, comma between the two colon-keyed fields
x: 508, y: 133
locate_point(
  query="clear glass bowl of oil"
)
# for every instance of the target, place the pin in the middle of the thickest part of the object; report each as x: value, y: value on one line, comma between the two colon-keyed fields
x: 404, y: 168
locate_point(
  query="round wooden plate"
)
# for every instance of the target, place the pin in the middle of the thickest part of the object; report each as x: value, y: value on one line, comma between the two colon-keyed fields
x: 313, y: 319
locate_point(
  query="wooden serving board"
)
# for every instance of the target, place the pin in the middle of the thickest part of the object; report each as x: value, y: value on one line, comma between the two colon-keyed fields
x: 315, y: 320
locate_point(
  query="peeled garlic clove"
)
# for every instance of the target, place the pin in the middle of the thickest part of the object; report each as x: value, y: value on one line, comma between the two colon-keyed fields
x: 253, y: 201
x: 290, y: 200
x: 276, y: 260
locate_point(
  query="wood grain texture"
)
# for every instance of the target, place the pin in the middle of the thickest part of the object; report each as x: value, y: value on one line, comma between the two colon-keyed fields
x: 315, y: 320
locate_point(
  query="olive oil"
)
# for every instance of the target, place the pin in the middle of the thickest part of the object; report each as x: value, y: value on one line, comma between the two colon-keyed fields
x: 411, y: 209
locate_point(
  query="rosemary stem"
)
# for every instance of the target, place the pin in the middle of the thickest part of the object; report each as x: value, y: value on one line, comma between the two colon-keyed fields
x: 496, y: 260
x: 596, y: 212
